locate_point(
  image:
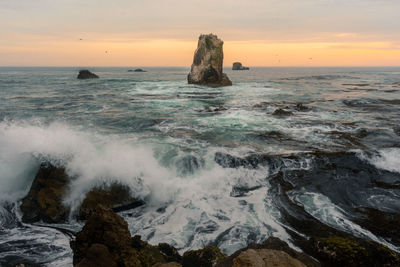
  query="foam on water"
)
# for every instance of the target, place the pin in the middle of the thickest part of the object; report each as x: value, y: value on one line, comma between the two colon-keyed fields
x: 200, y: 206
x: 321, y: 208
x: 385, y: 159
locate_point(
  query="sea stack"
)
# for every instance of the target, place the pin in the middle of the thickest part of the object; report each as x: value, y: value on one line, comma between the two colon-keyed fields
x: 207, y: 63
x: 86, y: 74
x: 239, y: 66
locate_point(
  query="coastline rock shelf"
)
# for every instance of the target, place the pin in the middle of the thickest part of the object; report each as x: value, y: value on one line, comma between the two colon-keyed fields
x: 207, y: 63
x: 105, y: 239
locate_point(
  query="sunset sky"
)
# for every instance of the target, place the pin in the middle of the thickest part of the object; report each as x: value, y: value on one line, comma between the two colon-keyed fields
x: 165, y: 32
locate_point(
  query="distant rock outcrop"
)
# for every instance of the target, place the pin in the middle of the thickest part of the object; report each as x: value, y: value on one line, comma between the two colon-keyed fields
x: 239, y: 66
x: 207, y: 63
x: 139, y: 70
x: 44, y: 200
x: 86, y: 74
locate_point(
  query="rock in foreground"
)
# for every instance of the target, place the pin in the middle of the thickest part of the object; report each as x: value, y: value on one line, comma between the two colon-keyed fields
x: 86, y: 74
x: 116, y: 196
x: 207, y: 63
x: 239, y: 66
x: 44, y: 200
x: 105, y: 240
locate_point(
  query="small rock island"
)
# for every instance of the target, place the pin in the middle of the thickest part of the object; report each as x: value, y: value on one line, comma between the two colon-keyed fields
x: 86, y: 74
x: 207, y: 63
x: 137, y: 70
x: 239, y: 66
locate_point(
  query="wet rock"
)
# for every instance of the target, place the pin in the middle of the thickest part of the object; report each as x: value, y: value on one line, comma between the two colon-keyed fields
x: 239, y: 66
x: 106, y: 228
x: 170, y: 253
x: 206, y: 257
x: 97, y: 255
x: 381, y: 223
x: 276, y: 249
x: 107, y: 232
x: 265, y: 258
x: 116, y: 196
x: 86, y: 74
x: 341, y: 251
x: 44, y: 201
x: 301, y: 107
x: 282, y: 112
x: 207, y: 63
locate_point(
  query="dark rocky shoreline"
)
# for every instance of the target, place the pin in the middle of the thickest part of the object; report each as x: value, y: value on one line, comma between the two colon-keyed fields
x: 105, y: 239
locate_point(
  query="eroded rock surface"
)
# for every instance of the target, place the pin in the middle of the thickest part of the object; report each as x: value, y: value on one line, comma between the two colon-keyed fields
x: 239, y: 66
x: 107, y: 233
x: 116, y: 196
x: 44, y: 201
x: 207, y: 63
x: 265, y: 258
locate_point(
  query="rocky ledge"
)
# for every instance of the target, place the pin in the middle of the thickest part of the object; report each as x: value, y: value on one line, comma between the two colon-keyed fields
x: 207, y: 63
x: 106, y: 241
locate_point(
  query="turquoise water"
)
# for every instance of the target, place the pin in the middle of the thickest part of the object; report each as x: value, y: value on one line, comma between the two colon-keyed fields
x: 171, y: 142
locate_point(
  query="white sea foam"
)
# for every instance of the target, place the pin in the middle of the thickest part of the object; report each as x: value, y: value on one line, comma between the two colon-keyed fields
x: 199, y: 205
x: 321, y: 208
x: 386, y: 159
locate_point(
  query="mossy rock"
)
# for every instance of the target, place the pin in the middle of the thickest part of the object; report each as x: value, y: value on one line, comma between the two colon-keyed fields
x: 336, y: 251
x: 44, y: 201
x: 206, y: 257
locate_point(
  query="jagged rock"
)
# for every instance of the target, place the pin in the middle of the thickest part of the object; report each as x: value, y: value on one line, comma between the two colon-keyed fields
x: 207, y: 63
x: 265, y: 258
x: 206, y: 257
x: 45, y: 198
x: 301, y: 107
x: 239, y: 66
x: 107, y: 232
x: 282, y: 112
x: 97, y: 255
x: 106, y: 228
x: 116, y: 196
x: 86, y: 74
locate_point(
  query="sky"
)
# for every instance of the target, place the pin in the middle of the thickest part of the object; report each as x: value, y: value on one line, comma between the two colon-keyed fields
x: 165, y: 32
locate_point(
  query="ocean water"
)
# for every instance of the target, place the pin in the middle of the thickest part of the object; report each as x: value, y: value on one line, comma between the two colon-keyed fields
x: 213, y: 165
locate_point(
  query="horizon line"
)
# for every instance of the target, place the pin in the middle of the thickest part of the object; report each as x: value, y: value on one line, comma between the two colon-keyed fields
x: 177, y: 66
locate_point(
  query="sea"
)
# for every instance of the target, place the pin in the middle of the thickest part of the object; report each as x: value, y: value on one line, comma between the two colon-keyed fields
x: 222, y: 166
